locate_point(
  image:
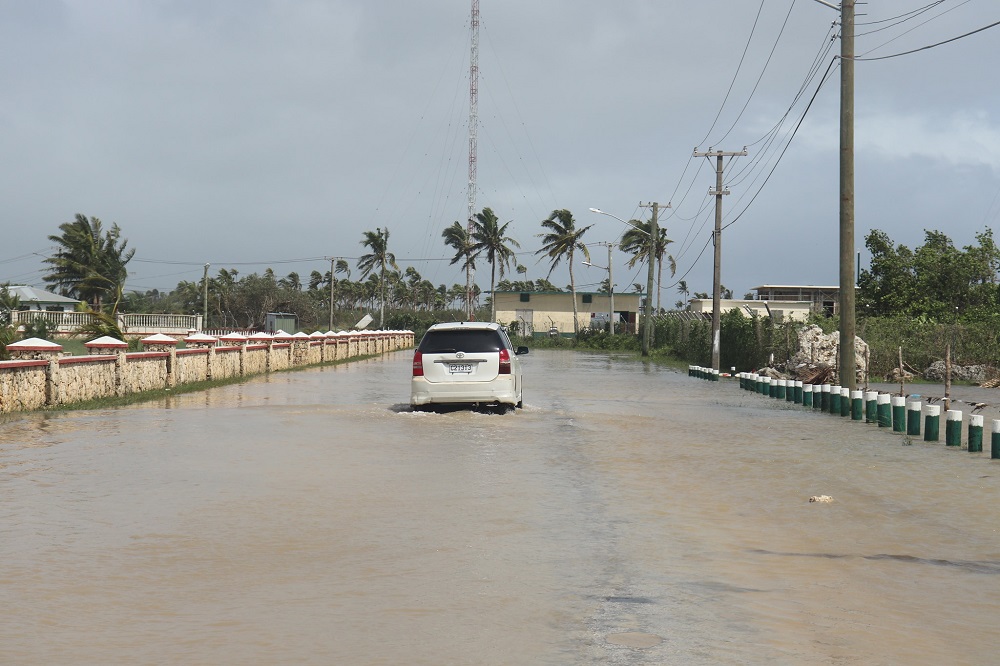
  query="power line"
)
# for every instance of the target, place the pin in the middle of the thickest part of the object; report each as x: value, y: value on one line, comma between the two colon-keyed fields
x: 931, y: 46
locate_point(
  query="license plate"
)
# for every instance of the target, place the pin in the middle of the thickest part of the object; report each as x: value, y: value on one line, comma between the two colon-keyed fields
x: 460, y: 368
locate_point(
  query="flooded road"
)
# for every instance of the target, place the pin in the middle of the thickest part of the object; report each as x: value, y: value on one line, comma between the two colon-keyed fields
x: 628, y: 515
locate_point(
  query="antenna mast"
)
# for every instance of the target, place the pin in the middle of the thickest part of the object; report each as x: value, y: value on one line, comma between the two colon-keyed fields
x: 473, y: 126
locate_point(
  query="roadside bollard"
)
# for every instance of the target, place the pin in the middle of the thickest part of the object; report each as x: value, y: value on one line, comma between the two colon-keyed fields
x: 824, y: 403
x: 976, y: 433
x: 798, y: 391
x: 772, y: 388
x: 835, y: 400
x: 884, y: 411
x: 789, y: 390
x: 995, y: 441
x: 898, y: 413
x: 871, y: 407
x: 913, y: 418
x: 953, y: 428
x: 807, y: 395
x: 759, y: 383
x: 779, y: 392
x: 932, y: 423
x: 845, y: 401
x: 857, y: 405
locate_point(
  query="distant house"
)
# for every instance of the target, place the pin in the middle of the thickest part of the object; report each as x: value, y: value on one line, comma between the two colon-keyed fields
x: 780, y: 302
x: 822, y: 299
x: 32, y: 298
x: 536, y: 312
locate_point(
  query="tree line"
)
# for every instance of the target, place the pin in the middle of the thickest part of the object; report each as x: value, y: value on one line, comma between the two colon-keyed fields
x: 90, y: 263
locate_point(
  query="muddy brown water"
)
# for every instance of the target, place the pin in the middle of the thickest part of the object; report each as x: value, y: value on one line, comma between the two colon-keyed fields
x: 628, y: 515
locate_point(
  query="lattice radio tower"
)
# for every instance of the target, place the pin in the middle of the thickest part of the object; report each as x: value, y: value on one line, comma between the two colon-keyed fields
x: 470, y: 272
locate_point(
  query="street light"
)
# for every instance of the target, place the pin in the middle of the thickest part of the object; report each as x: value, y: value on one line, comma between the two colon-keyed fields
x: 611, y: 288
x: 647, y: 329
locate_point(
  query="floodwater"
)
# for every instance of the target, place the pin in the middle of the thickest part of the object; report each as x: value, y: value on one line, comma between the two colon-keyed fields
x: 627, y: 515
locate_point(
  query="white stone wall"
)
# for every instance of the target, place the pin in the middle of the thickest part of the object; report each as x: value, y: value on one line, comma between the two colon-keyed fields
x: 34, y: 384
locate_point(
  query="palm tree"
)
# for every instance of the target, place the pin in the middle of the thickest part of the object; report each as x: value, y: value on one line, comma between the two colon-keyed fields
x: 379, y: 257
x: 489, y: 237
x: 636, y: 242
x: 457, y: 237
x: 563, y: 240
x: 682, y: 289
x: 90, y: 263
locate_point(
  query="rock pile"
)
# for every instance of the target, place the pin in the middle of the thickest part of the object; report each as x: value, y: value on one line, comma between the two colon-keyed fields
x: 968, y: 373
x: 818, y: 352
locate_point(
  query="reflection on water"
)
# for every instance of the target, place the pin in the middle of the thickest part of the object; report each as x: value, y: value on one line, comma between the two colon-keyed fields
x: 626, y: 515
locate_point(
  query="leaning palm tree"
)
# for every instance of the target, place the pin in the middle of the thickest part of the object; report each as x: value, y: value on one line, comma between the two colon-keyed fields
x: 457, y: 237
x: 489, y: 238
x: 379, y: 257
x: 90, y: 263
x: 635, y: 241
x: 563, y: 240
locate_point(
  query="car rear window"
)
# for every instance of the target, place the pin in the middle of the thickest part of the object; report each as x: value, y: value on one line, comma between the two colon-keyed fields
x: 474, y: 341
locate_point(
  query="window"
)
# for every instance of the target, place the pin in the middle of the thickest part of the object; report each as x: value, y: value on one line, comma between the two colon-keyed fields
x: 525, y: 297
x: 588, y: 298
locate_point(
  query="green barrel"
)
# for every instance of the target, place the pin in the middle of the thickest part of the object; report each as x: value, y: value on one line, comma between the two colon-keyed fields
x: 898, y: 413
x: 976, y: 433
x: 953, y: 428
x: 780, y: 391
x: 798, y: 391
x: 913, y: 418
x: 807, y: 395
x: 772, y: 388
x: 871, y: 407
x: 760, y: 383
x: 845, y: 401
x: 857, y: 405
x: 824, y: 398
x: 995, y: 440
x: 834, y: 405
x: 789, y: 390
x: 690, y: 371
x: 715, y: 375
x: 932, y: 423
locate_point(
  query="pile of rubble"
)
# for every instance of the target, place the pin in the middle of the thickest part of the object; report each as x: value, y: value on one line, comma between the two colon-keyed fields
x: 818, y: 359
x: 969, y: 373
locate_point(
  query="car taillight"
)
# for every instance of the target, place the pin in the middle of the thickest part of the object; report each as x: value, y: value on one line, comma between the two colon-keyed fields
x: 504, y: 362
x: 418, y: 364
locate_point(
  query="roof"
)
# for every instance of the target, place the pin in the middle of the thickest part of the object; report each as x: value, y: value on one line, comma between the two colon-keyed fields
x: 27, y: 294
x: 566, y: 293
x: 799, y: 286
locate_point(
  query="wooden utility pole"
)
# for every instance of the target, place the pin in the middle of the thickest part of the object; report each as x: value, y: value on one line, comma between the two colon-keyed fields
x: 719, y: 191
x: 847, y: 312
x: 204, y: 323
x: 333, y: 261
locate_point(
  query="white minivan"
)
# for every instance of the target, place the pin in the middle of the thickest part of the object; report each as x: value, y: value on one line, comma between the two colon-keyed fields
x: 466, y: 363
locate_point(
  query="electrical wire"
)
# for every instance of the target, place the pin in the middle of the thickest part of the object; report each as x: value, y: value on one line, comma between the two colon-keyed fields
x: 930, y: 46
x: 763, y: 70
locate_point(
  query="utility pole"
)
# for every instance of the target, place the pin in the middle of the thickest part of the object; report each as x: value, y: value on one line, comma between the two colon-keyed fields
x: 654, y: 234
x: 470, y: 272
x: 333, y: 261
x: 847, y: 371
x: 719, y: 191
x: 204, y: 323
x: 611, y: 292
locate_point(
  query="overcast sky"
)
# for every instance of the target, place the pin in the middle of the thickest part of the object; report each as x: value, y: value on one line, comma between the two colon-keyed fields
x: 261, y: 133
